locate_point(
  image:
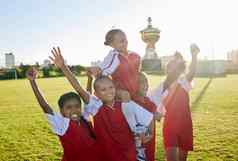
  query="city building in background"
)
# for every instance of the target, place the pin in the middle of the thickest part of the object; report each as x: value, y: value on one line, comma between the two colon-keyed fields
x: 232, y: 61
x: 46, y: 63
x: 9, y: 60
x: 211, y: 68
x: 232, y: 56
x: 164, y: 61
x: 95, y: 63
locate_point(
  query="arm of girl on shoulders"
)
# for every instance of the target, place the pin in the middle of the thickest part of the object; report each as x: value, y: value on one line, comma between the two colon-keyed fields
x: 89, y: 82
x: 95, y: 71
x: 107, y: 66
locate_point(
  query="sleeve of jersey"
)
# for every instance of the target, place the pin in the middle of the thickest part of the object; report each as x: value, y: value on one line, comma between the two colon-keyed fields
x: 92, y: 107
x: 135, y: 114
x: 58, y: 123
x: 185, y: 84
x: 110, y: 63
x: 155, y: 96
x: 129, y: 114
x: 143, y: 116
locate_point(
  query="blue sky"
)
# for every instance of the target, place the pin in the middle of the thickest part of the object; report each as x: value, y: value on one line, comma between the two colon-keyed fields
x: 30, y: 28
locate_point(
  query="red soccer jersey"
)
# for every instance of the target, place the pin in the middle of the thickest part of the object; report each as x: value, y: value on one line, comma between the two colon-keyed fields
x: 78, y: 143
x: 113, y: 135
x: 127, y: 73
x: 177, y: 128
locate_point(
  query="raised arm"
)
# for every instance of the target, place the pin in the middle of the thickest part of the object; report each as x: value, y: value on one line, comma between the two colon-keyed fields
x: 31, y: 75
x: 95, y: 71
x: 192, y: 67
x: 89, y: 83
x: 60, y: 63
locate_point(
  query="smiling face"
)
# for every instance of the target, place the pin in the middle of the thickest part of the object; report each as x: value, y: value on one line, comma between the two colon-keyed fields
x: 105, y: 89
x: 176, y: 66
x: 70, y: 105
x: 120, y: 42
x: 71, y: 109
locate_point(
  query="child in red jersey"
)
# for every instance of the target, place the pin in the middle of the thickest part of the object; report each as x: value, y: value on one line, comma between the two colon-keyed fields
x: 173, y: 96
x: 114, y: 121
x: 147, y: 102
x: 74, y: 132
x: 121, y: 64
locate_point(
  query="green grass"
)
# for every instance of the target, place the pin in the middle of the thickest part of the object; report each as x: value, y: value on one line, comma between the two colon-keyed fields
x: 25, y: 134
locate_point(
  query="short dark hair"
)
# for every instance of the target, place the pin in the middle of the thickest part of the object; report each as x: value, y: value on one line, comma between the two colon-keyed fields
x: 67, y: 96
x: 99, y: 79
x: 110, y: 35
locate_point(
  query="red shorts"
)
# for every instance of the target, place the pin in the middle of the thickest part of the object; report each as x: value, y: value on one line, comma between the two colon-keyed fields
x: 183, y: 139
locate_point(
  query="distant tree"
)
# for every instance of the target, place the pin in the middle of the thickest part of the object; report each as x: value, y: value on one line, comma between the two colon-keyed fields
x: 37, y: 64
x: 77, y: 69
x: 7, y: 74
x: 46, y: 72
x: 21, y: 70
x: 56, y: 71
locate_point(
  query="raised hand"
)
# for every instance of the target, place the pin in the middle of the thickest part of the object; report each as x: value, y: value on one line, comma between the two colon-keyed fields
x: 95, y: 71
x: 194, y: 49
x: 57, y: 57
x: 58, y: 60
x: 31, y: 74
x: 192, y: 67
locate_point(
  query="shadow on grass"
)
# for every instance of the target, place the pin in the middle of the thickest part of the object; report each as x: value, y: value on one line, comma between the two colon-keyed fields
x: 201, y: 94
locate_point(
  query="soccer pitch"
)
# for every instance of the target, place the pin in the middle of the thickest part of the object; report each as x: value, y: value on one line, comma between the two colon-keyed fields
x: 25, y: 134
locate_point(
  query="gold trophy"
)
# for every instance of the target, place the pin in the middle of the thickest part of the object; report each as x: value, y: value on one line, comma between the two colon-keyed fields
x: 150, y: 36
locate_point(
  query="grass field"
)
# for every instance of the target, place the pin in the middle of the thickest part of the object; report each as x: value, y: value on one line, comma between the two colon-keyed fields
x: 25, y: 134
